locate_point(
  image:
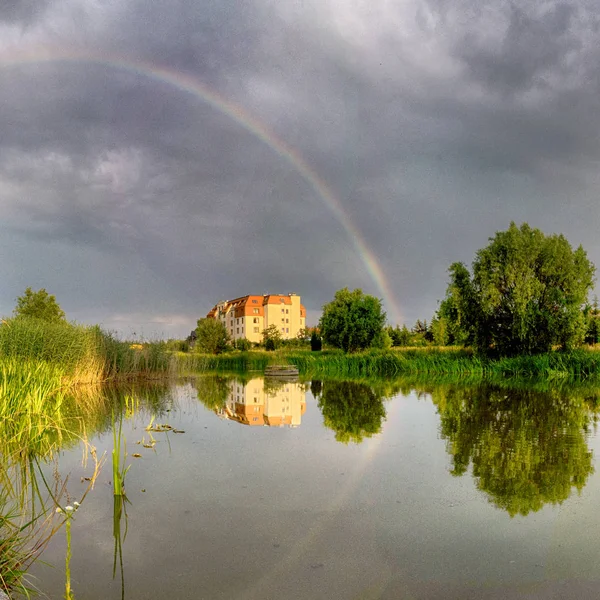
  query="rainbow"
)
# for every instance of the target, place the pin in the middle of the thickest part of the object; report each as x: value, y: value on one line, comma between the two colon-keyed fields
x: 189, y: 84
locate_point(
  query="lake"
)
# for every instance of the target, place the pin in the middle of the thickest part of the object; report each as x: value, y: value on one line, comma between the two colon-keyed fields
x: 254, y: 490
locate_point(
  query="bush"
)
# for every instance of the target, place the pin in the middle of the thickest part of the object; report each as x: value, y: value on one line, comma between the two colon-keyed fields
x: 242, y: 344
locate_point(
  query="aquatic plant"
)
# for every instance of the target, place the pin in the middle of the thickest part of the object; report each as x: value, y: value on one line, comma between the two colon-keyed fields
x: 119, y: 470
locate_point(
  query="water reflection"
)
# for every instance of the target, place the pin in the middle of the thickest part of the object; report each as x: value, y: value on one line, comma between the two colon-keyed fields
x: 36, y: 498
x: 258, y: 401
x: 526, y: 448
x: 353, y: 410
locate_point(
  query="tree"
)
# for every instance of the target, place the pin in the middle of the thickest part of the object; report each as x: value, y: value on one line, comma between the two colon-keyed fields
x: 526, y: 294
x: 38, y: 305
x: 400, y: 337
x: 352, y: 320
x: 439, y: 331
x: 211, y: 336
x: 382, y: 340
x: 272, y: 337
x: 592, y: 334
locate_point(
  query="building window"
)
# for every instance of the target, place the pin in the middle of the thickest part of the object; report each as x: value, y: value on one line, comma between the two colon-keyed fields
x: 286, y: 311
x: 282, y: 320
x: 283, y: 330
x: 255, y: 320
x: 237, y: 321
x: 255, y: 301
x: 256, y: 330
x: 282, y: 311
x: 238, y: 330
x: 287, y: 320
x: 255, y: 311
x: 287, y: 329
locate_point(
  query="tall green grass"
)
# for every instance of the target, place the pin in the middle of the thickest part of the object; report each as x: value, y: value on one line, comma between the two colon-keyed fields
x: 20, y: 545
x: 233, y: 361
x: 460, y: 362
x: 85, y: 354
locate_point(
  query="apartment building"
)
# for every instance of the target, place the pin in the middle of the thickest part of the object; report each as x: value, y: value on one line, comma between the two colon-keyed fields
x: 248, y: 316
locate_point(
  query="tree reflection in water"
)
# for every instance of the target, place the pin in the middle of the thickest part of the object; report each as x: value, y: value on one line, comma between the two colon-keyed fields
x: 352, y: 410
x: 526, y: 448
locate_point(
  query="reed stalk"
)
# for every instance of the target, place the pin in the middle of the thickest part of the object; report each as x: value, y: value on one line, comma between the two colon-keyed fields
x: 407, y: 361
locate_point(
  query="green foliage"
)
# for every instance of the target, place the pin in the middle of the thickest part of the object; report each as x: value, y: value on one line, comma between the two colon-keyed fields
x: 20, y: 545
x: 212, y: 390
x: 272, y: 338
x: 242, y: 344
x: 316, y: 344
x: 237, y: 362
x: 382, y: 341
x: 85, y: 354
x: 526, y: 294
x: 592, y: 314
x: 454, y: 361
x: 352, y: 410
x: 400, y: 337
x: 352, y: 320
x: 38, y: 305
x: 526, y: 448
x: 211, y: 336
x: 439, y: 331
x: 174, y: 345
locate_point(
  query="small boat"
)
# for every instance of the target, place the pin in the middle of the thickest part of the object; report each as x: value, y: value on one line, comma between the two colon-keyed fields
x: 281, y: 371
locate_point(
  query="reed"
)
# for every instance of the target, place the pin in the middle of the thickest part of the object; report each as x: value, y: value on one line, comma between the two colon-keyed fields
x: 404, y: 361
x: 119, y: 454
x: 20, y: 545
x: 232, y: 361
x: 85, y: 354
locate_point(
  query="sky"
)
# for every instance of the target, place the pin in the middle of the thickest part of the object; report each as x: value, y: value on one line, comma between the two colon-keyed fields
x: 158, y: 157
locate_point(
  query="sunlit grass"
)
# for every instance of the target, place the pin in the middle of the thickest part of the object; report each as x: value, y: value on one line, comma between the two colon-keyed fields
x: 84, y: 354
x: 403, y: 361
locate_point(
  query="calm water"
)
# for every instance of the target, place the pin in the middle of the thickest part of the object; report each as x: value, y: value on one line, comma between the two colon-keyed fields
x: 340, y: 490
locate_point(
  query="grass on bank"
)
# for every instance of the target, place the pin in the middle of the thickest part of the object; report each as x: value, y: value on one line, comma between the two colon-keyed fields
x: 84, y: 354
x: 447, y: 361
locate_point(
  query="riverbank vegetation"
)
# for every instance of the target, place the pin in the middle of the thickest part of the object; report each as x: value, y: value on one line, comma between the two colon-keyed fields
x: 430, y: 361
x: 39, y: 334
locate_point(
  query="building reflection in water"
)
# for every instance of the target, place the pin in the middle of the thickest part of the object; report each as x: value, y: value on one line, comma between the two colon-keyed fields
x: 271, y: 402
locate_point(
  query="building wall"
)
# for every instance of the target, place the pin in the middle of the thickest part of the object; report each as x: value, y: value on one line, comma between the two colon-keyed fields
x: 248, y: 316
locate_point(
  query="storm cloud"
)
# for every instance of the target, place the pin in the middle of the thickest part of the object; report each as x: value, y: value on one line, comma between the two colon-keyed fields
x: 140, y: 201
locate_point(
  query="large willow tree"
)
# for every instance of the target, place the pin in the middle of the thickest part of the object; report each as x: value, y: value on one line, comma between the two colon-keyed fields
x: 526, y: 294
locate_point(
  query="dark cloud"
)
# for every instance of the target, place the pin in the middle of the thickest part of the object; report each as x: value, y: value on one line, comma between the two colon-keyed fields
x: 431, y: 124
x: 22, y: 12
x: 532, y: 48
